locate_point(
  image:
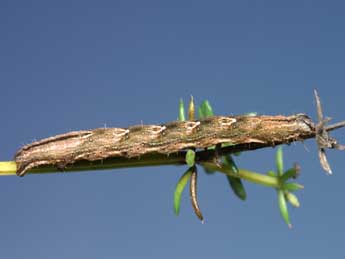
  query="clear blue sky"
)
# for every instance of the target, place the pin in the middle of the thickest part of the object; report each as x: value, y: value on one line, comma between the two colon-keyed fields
x: 70, y: 65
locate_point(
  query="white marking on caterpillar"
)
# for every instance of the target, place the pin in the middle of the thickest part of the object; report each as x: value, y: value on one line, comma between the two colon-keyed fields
x: 120, y: 133
x: 158, y: 129
x: 227, y: 121
x: 191, y: 125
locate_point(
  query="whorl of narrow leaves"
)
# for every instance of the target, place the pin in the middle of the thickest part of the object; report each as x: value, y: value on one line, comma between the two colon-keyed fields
x: 284, y: 192
x: 227, y: 164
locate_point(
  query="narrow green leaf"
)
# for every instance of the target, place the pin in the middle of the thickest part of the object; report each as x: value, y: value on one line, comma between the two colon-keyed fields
x: 291, y: 173
x: 229, y: 162
x: 190, y: 158
x: 283, y: 208
x: 292, y: 187
x: 292, y: 198
x: 180, y: 186
x: 279, y: 161
x: 235, y: 183
x: 207, y: 108
x: 237, y: 187
x: 181, y: 113
x: 191, y: 109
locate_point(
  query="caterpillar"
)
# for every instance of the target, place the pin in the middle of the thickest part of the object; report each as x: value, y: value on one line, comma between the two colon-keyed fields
x: 135, y: 141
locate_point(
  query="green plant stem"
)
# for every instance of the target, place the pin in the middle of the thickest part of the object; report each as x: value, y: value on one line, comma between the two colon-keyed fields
x: 250, y: 176
x: 9, y: 167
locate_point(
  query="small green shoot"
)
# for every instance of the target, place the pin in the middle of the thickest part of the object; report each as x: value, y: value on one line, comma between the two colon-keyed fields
x: 191, y: 109
x: 279, y: 161
x: 190, y: 158
x: 181, y: 112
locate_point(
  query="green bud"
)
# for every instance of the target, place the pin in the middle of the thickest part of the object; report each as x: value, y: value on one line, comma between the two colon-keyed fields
x: 190, y: 158
x: 292, y: 198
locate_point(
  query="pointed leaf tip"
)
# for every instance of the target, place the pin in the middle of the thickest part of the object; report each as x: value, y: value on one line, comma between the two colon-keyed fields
x: 191, y: 109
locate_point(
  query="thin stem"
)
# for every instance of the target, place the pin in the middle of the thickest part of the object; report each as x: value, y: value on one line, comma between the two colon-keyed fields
x: 9, y: 167
x: 244, y: 174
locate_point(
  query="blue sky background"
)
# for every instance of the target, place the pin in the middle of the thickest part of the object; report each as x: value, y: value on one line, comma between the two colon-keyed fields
x: 70, y: 65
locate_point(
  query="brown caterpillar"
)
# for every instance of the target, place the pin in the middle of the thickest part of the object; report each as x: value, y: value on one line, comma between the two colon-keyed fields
x: 135, y: 141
